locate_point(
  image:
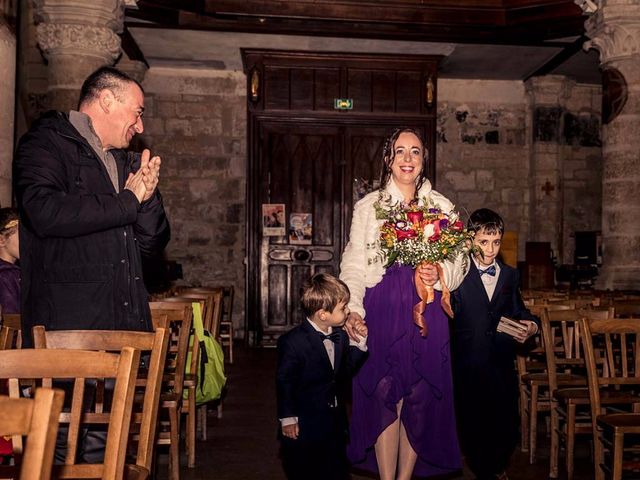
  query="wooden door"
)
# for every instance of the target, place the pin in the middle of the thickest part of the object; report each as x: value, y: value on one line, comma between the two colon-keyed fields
x: 313, y: 160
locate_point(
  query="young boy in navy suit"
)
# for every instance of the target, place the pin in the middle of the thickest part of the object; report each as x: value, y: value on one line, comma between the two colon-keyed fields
x: 316, y: 361
x: 485, y: 378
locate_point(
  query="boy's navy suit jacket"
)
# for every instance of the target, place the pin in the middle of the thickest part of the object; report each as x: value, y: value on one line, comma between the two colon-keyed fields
x: 475, y: 342
x: 307, y: 385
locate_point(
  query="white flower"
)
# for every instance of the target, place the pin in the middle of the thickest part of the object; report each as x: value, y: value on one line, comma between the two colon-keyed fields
x: 429, y: 230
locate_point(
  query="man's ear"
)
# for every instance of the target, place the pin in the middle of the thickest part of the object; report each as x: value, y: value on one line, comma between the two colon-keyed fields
x: 105, y: 100
x: 3, y: 241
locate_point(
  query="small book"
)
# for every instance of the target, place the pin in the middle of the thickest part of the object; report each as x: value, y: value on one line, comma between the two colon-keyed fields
x: 511, y: 327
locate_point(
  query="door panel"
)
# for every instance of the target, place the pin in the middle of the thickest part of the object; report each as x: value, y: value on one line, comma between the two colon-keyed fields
x: 303, y: 164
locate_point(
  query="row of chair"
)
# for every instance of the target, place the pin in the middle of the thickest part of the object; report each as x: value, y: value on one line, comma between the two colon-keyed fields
x: 165, y: 367
x: 557, y: 377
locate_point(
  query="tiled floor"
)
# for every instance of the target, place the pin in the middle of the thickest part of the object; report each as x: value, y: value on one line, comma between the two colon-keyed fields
x: 242, y: 444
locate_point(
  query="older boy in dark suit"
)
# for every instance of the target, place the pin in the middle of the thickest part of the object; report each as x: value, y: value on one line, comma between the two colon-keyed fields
x: 315, y: 363
x: 485, y: 378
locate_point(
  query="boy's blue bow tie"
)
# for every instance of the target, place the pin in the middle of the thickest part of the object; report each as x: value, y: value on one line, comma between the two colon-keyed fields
x: 333, y: 336
x: 489, y: 271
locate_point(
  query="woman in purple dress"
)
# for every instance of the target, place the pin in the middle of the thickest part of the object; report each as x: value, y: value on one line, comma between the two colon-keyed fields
x: 9, y: 255
x: 403, y: 420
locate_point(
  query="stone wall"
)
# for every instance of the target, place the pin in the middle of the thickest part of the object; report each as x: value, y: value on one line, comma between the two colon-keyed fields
x: 196, y: 121
x: 484, y: 157
x: 7, y: 100
x: 483, y: 149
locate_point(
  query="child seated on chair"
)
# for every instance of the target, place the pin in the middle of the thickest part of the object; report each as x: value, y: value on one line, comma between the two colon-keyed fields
x: 484, y: 375
x: 9, y: 285
x: 9, y: 255
x: 316, y: 361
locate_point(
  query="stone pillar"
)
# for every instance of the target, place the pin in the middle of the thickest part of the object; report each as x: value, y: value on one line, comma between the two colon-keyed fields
x: 76, y: 38
x: 614, y: 30
x: 548, y: 96
x: 7, y: 104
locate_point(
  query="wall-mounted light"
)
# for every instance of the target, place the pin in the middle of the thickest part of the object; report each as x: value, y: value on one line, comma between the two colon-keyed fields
x: 254, y: 85
x: 429, y: 91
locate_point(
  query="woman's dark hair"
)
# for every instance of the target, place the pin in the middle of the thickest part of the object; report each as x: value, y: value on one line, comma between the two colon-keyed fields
x: 105, y: 78
x: 486, y: 220
x: 388, y: 157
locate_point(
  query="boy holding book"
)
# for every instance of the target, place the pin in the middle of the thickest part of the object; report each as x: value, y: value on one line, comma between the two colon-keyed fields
x: 484, y: 349
x: 316, y: 361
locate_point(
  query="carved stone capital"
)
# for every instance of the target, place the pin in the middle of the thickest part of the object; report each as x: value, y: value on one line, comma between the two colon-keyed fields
x: 69, y: 39
x: 615, y: 31
x: 99, y: 13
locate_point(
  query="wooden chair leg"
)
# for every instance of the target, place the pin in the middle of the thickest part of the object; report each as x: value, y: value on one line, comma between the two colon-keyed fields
x: 598, y: 458
x: 524, y: 421
x: 174, y: 451
x: 191, y: 428
x: 570, y: 439
x: 202, y: 421
x: 533, y: 424
x: 616, y: 455
x: 554, y: 450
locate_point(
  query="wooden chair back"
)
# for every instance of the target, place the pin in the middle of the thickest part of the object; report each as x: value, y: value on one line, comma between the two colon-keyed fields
x: 11, y: 331
x: 561, y: 336
x: 79, y: 365
x: 216, y: 299
x: 145, y: 414
x: 626, y: 308
x: 612, y: 356
x: 177, y: 318
x: 37, y: 420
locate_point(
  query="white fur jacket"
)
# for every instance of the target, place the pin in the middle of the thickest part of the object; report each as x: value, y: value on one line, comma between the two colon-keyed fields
x: 362, y: 264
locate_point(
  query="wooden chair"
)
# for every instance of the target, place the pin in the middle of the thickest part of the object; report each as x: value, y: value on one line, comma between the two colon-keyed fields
x: 37, y: 420
x: 612, y: 355
x: 190, y: 380
x: 145, y: 414
x: 534, y: 385
x: 566, y: 377
x: 212, y: 323
x: 80, y: 365
x: 571, y: 415
x: 177, y: 318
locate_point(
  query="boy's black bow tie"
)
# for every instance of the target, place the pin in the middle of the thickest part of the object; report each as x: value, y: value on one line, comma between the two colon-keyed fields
x: 489, y: 271
x: 334, y: 336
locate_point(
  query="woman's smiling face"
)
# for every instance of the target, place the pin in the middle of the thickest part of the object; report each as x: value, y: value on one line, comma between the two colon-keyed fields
x: 408, y: 153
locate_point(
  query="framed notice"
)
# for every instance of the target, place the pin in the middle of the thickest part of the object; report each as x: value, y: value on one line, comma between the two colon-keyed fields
x: 273, y: 220
x: 300, y: 228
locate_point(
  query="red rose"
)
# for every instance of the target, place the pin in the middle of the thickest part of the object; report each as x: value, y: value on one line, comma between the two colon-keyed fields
x: 405, y: 234
x: 415, y: 217
x: 458, y: 226
x: 435, y: 237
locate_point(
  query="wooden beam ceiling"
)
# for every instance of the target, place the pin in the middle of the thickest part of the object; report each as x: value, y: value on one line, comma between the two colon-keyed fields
x: 515, y: 22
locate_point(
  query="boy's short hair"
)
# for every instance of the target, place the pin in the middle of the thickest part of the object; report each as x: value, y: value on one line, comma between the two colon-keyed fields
x: 8, y: 220
x: 323, y: 292
x: 486, y: 220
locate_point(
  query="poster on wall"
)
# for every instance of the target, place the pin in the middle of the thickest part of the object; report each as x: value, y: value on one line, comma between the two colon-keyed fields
x: 273, y: 215
x: 300, y: 228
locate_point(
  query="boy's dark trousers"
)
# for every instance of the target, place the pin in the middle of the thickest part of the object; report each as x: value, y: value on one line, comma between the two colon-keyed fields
x: 314, y: 459
x: 484, y: 375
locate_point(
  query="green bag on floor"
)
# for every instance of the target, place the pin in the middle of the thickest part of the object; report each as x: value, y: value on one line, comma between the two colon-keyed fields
x: 210, y: 372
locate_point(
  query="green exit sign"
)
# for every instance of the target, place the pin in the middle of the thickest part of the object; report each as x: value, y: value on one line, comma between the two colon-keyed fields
x: 342, y: 103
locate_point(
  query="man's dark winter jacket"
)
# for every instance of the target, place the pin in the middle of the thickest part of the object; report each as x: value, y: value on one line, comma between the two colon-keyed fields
x: 80, y: 241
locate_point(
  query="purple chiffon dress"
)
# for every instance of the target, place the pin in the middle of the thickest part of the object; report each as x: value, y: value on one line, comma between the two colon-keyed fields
x: 404, y: 365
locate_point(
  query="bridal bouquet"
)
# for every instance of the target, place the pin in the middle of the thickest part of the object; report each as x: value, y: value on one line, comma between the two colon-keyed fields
x: 422, y: 233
